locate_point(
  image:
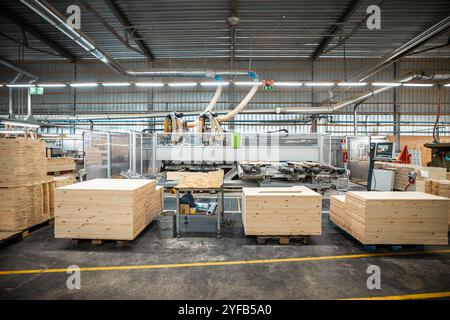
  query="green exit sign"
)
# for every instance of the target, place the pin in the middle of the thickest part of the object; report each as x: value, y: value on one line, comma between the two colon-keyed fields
x: 36, y: 90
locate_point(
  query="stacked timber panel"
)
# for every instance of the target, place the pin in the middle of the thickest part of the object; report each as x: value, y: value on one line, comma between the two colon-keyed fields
x: 23, y: 162
x: 394, y: 217
x: 281, y: 211
x: 106, y: 209
x: 439, y: 188
x: 338, y: 214
x: 60, y: 164
x: 423, y: 174
x: 26, y: 197
x: 62, y: 170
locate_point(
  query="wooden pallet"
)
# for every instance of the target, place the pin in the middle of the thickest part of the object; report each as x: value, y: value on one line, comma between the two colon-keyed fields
x: 99, y: 242
x: 378, y: 247
x: 60, y: 173
x: 284, y: 240
x: 13, y: 236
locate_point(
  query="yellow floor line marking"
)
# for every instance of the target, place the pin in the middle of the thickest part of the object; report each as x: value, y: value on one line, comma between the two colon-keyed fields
x: 407, y: 296
x: 225, y: 263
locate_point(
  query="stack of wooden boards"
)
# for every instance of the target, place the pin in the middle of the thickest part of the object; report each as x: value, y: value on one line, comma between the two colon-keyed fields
x: 62, y: 170
x: 393, y: 218
x: 197, y: 180
x: 26, y: 193
x: 106, y: 209
x: 281, y: 211
x: 402, y: 171
x: 439, y: 188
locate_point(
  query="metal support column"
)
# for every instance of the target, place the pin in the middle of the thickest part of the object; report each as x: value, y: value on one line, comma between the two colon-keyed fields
x: 177, y: 213
x: 108, y: 155
x: 142, y: 154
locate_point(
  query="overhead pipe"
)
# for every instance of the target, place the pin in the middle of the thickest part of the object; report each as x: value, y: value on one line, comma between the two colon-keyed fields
x: 18, y: 69
x: 20, y: 73
x: 355, y: 117
x: 398, y: 53
x: 54, y: 17
x: 11, y: 96
x: 405, y: 48
x: 366, y: 95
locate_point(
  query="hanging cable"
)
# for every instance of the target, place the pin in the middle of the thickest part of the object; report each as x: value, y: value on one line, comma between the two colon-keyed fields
x: 438, y: 115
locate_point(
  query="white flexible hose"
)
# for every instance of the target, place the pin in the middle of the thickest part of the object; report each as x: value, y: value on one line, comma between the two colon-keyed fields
x: 210, y: 106
x: 214, y: 100
x: 230, y: 115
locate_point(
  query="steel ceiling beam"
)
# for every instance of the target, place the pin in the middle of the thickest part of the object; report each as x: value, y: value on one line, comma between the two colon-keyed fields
x: 349, y: 11
x: 233, y: 13
x: 135, y: 35
x: 25, y: 26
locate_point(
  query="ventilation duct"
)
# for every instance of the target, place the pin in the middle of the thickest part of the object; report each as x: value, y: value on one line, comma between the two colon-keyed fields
x: 365, y: 95
x: 54, y: 17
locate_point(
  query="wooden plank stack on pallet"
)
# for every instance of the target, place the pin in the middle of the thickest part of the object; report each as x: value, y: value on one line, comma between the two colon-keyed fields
x: 281, y: 211
x: 26, y: 193
x: 106, y: 209
x: 393, y: 218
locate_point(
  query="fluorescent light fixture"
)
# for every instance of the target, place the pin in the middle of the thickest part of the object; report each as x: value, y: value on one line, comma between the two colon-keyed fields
x: 352, y: 84
x: 149, y: 84
x: 12, y: 132
x: 20, y: 85
x: 248, y: 83
x: 182, y: 84
x: 319, y: 84
x: 20, y: 124
x: 447, y: 85
x: 116, y: 84
x: 73, y: 136
x: 214, y: 83
x: 84, y: 84
x: 50, y: 135
x: 1, y: 85
x: 386, y: 84
x: 418, y: 84
x: 287, y: 84
x: 51, y: 85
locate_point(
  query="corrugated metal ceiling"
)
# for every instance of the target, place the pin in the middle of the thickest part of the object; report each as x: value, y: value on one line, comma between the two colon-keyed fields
x: 198, y: 28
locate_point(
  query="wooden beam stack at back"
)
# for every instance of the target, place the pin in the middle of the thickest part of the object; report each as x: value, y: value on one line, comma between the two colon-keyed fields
x: 394, y: 217
x: 25, y: 190
x: 60, y: 164
x: 281, y: 211
x: 23, y: 162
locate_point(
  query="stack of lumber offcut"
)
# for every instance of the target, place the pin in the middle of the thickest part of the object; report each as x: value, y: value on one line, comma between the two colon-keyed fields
x: 62, y: 170
x: 195, y: 180
x: 392, y: 217
x: 60, y: 164
x: 26, y: 193
x: 439, y: 188
x: 106, y: 209
x: 402, y: 171
x: 281, y: 211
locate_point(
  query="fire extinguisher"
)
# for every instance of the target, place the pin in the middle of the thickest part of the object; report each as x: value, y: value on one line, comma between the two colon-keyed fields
x: 344, y: 151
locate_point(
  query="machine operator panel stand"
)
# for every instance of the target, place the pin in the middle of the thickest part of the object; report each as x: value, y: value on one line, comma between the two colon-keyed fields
x: 383, y: 151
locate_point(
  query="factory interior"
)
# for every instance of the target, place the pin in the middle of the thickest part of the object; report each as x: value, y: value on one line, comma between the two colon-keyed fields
x: 224, y: 150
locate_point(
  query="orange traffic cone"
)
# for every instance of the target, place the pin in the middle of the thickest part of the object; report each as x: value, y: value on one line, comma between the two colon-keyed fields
x: 404, y: 156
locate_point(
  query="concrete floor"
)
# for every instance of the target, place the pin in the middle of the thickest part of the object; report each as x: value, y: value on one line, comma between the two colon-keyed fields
x: 310, y: 278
